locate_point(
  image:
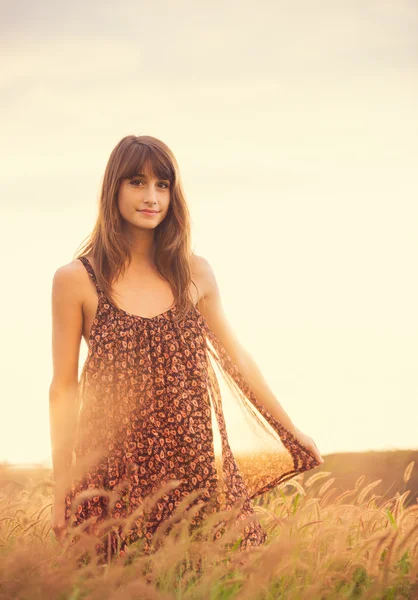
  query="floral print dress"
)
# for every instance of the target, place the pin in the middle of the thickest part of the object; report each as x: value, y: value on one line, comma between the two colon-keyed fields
x: 161, y: 400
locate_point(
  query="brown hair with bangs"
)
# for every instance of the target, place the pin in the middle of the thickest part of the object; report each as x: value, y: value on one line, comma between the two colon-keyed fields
x: 172, y: 236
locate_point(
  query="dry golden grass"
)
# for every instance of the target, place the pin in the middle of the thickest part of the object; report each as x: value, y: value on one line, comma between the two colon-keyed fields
x: 322, y: 544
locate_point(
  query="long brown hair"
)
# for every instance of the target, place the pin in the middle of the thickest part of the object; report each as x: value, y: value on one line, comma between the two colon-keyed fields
x: 107, y: 243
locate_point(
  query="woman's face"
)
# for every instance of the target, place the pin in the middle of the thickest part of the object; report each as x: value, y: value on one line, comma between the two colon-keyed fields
x: 144, y: 192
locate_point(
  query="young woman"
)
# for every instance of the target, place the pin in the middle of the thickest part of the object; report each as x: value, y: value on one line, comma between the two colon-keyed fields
x: 159, y: 349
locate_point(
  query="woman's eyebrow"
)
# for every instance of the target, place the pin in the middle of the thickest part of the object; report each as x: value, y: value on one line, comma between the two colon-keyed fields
x: 145, y: 177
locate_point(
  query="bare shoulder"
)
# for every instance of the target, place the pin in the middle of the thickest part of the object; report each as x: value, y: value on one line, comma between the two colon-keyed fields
x: 70, y: 279
x: 204, y: 273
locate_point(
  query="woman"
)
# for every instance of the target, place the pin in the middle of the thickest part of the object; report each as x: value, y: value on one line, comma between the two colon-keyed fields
x: 150, y: 312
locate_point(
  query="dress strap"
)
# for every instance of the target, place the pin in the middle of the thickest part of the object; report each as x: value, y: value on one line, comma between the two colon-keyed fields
x: 91, y: 272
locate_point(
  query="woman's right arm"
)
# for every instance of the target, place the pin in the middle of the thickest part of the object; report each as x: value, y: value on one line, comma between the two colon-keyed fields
x: 67, y: 327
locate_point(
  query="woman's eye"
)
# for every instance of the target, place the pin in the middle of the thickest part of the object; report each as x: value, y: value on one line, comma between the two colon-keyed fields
x: 135, y: 181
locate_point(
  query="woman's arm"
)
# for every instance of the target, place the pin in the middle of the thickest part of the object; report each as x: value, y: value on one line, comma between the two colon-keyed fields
x: 67, y: 325
x: 211, y: 308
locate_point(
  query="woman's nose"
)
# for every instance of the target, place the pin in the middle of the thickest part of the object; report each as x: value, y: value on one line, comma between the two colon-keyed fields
x: 151, y: 195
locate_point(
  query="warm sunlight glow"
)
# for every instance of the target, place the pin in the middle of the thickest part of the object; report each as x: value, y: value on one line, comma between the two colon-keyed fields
x: 299, y: 166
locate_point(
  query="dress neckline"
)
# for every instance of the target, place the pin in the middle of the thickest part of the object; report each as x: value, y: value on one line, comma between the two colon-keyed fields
x: 140, y: 317
x: 103, y: 298
x: 106, y: 300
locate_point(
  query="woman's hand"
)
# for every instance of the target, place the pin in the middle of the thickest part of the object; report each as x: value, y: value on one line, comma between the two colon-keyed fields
x: 308, y: 443
x: 58, y: 524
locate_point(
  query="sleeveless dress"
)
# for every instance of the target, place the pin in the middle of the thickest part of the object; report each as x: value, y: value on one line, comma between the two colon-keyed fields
x: 161, y: 400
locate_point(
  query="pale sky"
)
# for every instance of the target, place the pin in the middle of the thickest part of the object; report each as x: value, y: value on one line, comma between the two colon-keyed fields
x: 295, y: 126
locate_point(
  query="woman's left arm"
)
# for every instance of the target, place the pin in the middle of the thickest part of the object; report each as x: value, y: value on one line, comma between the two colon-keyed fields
x: 210, y: 306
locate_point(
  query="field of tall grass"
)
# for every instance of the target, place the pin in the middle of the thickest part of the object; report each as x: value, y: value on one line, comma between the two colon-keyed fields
x: 322, y: 544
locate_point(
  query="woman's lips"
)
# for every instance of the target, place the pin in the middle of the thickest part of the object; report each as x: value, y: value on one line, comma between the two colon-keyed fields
x: 149, y: 212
